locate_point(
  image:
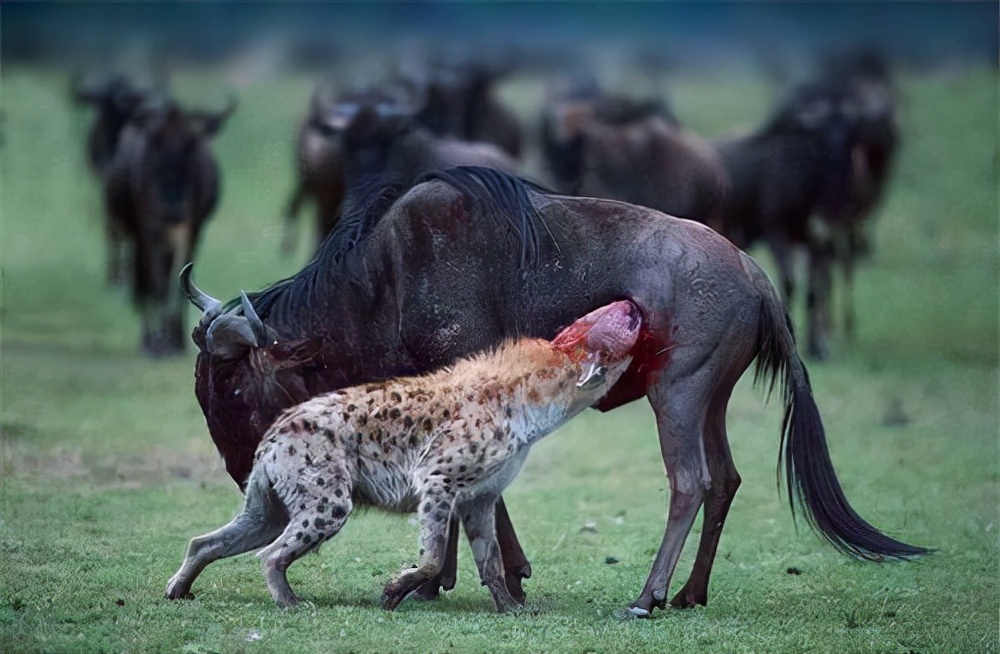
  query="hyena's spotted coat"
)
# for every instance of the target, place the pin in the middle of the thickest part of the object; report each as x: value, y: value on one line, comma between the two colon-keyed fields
x: 448, y: 441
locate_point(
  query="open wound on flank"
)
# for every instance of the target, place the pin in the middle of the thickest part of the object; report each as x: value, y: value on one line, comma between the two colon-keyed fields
x: 446, y: 443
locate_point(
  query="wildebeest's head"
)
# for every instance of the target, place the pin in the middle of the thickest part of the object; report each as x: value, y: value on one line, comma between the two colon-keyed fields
x: 161, y: 188
x: 115, y: 98
x: 245, y: 374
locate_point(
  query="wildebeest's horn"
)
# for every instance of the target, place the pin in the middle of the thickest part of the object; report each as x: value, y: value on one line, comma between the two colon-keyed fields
x: 256, y: 324
x: 200, y: 299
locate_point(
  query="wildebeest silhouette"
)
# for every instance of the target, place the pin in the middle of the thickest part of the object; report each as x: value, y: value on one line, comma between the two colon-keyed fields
x: 470, y: 256
x: 114, y: 98
x: 784, y: 178
x: 160, y: 188
x: 373, y: 138
x: 635, y: 150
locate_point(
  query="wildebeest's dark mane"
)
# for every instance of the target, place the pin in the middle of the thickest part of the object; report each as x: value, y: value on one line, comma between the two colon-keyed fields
x: 499, y: 195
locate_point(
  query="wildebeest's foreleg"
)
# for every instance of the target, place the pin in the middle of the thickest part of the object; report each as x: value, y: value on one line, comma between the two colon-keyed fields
x: 292, y: 210
x: 679, y: 410
x: 435, y: 515
x: 479, y: 519
x: 515, y: 563
x: 781, y: 251
x: 818, y: 301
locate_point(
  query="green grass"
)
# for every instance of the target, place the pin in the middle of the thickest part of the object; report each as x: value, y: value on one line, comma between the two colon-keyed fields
x: 107, y: 467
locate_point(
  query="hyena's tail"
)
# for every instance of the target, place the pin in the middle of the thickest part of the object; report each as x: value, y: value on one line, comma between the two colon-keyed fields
x: 809, y: 476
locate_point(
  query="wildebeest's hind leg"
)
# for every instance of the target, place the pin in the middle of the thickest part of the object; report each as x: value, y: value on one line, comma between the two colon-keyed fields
x: 689, y: 400
x: 515, y: 563
x: 725, y: 481
x: 479, y: 519
x: 260, y: 521
x: 679, y: 410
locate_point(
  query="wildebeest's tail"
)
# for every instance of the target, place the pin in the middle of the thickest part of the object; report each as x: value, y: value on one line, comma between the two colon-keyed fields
x: 809, y: 476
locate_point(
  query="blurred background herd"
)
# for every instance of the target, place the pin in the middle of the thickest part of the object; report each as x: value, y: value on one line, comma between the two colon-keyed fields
x: 577, y: 97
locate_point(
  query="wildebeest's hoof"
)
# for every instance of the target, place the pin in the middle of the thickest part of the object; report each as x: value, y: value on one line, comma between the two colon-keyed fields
x: 635, y: 612
x: 513, y: 584
x: 686, y: 600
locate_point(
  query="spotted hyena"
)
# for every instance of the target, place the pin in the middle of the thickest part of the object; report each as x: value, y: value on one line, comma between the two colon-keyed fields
x: 449, y: 441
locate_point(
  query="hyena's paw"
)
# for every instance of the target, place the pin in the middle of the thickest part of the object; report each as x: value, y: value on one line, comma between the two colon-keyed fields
x: 178, y: 590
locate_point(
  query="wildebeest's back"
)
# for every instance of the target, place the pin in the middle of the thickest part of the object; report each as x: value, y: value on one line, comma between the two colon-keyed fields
x: 459, y: 284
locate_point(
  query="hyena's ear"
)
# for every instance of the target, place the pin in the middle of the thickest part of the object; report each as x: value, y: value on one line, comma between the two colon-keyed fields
x: 592, y: 375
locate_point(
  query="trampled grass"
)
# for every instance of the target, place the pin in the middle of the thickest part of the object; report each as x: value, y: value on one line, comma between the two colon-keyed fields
x: 108, y: 468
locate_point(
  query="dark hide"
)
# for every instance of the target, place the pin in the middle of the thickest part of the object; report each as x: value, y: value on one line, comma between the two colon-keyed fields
x: 473, y: 256
x: 636, y: 152
x: 114, y: 99
x: 868, y: 88
x: 459, y: 102
x: 374, y: 139
x: 160, y: 188
x: 320, y: 163
x: 780, y: 178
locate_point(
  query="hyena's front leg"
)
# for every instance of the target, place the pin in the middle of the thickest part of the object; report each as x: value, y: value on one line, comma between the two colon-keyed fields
x: 435, y: 514
x: 479, y: 519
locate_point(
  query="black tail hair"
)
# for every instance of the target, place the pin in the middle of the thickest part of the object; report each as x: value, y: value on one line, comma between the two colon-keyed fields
x: 809, y: 476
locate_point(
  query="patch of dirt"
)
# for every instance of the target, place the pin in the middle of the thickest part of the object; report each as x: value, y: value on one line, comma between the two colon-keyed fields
x: 153, y: 467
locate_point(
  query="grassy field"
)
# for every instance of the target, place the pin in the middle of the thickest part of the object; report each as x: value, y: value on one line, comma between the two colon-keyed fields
x: 108, y: 469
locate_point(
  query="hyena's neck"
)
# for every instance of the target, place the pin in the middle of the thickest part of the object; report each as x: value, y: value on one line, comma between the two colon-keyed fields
x: 543, y: 398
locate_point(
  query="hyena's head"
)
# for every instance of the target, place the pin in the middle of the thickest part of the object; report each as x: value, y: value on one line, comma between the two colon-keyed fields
x: 600, y: 344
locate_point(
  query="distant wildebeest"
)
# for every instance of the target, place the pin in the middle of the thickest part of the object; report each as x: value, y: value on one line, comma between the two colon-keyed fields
x: 368, y: 137
x: 473, y: 256
x: 784, y: 178
x: 459, y: 101
x: 114, y: 98
x: 320, y: 163
x: 868, y: 88
x: 635, y: 151
x: 445, y: 444
x: 160, y: 188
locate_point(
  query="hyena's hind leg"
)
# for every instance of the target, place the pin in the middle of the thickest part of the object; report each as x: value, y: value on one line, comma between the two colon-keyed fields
x: 436, y: 504
x: 260, y: 521
x: 478, y: 516
x: 318, y: 506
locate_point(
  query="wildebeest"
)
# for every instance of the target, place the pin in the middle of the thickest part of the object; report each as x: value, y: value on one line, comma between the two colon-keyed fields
x: 160, y: 188
x: 445, y: 444
x: 114, y: 98
x: 374, y: 137
x: 459, y: 101
x: 636, y: 151
x: 783, y: 179
x: 320, y: 163
x: 865, y: 79
x: 472, y: 256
